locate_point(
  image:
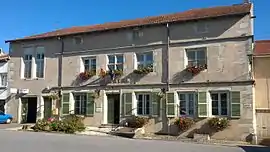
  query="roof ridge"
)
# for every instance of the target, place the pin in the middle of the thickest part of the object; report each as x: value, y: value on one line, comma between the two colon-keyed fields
x: 188, y: 15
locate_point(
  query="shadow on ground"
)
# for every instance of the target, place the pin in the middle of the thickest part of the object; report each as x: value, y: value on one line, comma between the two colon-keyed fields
x: 255, y: 149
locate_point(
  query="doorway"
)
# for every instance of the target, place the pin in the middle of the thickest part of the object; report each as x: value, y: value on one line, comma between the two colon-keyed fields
x: 29, y: 109
x: 113, y: 108
x: 47, y: 107
x: 2, y: 105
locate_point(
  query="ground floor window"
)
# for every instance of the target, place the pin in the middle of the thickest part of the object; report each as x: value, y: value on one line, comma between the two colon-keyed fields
x: 219, y: 103
x: 80, y: 103
x: 186, y: 102
x: 143, y: 104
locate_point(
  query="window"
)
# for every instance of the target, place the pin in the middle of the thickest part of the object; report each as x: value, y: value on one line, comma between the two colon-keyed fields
x: 115, y: 62
x: 144, y: 59
x: 40, y: 62
x: 187, y: 102
x: 3, y: 77
x: 143, y: 104
x: 90, y: 64
x: 78, y: 40
x: 27, y: 59
x: 219, y: 103
x: 196, y: 57
x: 201, y: 28
x: 137, y: 34
x: 80, y: 103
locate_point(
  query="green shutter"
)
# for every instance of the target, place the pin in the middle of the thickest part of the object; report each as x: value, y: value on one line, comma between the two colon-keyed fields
x: 127, y: 104
x: 170, y: 104
x: 235, y: 104
x: 65, y: 103
x: 90, y: 104
x: 155, y: 103
x: 202, y: 104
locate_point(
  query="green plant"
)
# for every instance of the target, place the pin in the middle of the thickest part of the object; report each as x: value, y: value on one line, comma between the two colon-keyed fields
x: 136, y: 121
x: 118, y: 72
x: 69, y: 124
x: 184, y: 123
x: 144, y: 70
x: 218, y: 124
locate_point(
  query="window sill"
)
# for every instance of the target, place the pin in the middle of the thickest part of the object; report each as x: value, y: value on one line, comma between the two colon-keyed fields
x: 29, y: 79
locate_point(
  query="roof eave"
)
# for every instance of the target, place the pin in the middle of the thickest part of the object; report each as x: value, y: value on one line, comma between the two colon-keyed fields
x: 55, y: 36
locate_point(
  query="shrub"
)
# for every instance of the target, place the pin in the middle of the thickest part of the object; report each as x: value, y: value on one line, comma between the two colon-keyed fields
x: 218, y: 124
x: 136, y: 121
x: 69, y: 124
x: 184, y: 123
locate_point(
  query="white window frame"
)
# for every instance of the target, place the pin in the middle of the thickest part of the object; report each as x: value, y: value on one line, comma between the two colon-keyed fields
x: 196, y: 59
x: 205, y: 27
x: 219, y: 103
x: 187, y: 103
x: 40, y: 61
x: 29, y: 52
x: 90, y: 63
x: 143, y: 104
x: 144, y: 62
x: 80, y: 102
x: 115, y: 61
x: 1, y: 78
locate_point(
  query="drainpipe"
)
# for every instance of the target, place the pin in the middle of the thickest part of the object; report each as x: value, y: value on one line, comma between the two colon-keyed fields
x: 60, y: 75
x: 167, y: 73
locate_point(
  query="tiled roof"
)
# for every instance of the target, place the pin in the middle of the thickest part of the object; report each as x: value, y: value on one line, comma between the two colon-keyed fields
x: 194, y: 14
x: 262, y: 47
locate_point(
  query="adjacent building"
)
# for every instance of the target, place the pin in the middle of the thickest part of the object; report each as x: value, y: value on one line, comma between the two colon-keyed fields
x: 4, y: 91
x: 262, y: 91
x: 200, y: 59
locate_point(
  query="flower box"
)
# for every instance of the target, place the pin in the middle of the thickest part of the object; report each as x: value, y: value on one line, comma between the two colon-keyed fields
x: 144, y: 70
x: 196, y: 69
x: 87, y: 74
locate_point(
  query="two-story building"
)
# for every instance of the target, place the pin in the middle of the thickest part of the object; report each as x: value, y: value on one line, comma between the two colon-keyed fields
x: 198, y: 58
x: 4, y: 91
x: 261, y: 59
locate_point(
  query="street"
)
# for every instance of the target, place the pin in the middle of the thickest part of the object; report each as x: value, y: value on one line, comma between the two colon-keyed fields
x: 12, y: 141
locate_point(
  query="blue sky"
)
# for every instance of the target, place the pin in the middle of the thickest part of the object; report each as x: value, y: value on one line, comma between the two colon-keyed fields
x: 21, y: 18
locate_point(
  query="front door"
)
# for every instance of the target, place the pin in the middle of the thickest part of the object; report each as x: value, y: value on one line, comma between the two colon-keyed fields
x: 47, y: 107
x: 113, y: 108
x: 32, y: 110
x: 2, y: 106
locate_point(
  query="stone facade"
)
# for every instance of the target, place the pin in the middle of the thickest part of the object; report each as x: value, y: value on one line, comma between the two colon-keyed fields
x: 227, y: 41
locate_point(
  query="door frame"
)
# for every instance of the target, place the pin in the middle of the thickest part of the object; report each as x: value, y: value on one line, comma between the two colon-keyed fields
x: 105, y: 121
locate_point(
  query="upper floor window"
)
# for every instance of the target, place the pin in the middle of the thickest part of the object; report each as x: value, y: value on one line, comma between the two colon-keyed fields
x: 78, y: 40
x: 201, y: 27
x: 115, y: 62
x: 27, y: 59
x: 90, y: 64
x: 197, y: 57
x: 137, y: 33
x: 3, y: 77
x: 144, y: 59
x: 40, y: 62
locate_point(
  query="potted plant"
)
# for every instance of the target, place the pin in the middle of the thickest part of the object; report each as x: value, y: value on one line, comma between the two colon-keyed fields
x: 195, y: 69
x: 144, y: 70
x: 87, y: 74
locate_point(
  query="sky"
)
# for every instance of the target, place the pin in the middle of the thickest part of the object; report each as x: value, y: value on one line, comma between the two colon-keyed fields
x: 21, y: 18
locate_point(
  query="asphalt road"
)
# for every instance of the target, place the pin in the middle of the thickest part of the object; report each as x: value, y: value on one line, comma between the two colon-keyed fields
x: 12, y: 141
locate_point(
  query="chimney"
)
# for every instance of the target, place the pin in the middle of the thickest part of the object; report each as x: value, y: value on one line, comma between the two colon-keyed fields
x: 246, y: 1
x: 1, y: 51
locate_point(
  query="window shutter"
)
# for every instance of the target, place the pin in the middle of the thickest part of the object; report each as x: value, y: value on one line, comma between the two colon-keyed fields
x: 155, y: 103
x: 202, y: 104
x: 65, y: 103
x: 170, y: 104
x: 90, y: 104
x: 127, y: 104
x: 235, y: 104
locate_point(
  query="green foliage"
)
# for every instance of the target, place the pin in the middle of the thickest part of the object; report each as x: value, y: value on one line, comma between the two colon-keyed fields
x: 218, y: 124
x: 69, y: 124
x: 184, y: 123
x: 136, y: 121
x: 144, y: 70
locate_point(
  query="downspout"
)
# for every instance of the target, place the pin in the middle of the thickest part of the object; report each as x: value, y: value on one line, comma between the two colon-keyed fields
x: 167, y: 74
x: 60, y: 76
